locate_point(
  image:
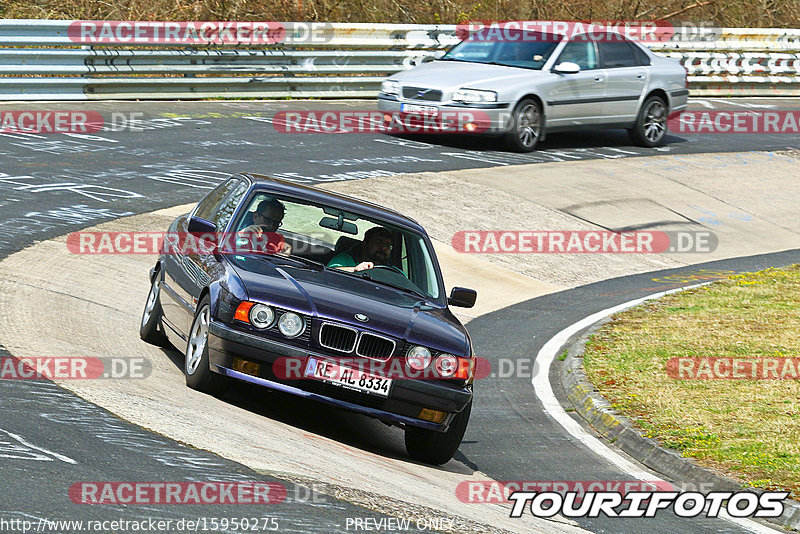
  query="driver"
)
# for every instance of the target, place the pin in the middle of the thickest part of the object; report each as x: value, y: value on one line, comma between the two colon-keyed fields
x: 373, y: 250
x: 268, y: 217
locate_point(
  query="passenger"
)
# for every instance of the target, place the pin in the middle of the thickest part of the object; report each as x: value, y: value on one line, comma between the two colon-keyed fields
x: 373, y: 250
x: 267, y: 218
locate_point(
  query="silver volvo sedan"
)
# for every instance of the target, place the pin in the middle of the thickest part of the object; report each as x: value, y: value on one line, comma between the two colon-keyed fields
x: 537, y: 83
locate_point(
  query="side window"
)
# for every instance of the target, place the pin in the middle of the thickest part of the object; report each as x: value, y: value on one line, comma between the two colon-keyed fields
x: 581, y: 53
x: 224, y: 211
x: 617, y: 54
x: 420, y: 271
x: 641, y: 56
x: 404, y: 256
x: 206, y: 207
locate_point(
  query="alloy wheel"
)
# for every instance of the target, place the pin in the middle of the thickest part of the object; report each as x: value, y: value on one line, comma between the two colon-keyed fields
x: 654, y: 121
x: 152, y: 298
x: 528, y: 125
x: 197, y: 340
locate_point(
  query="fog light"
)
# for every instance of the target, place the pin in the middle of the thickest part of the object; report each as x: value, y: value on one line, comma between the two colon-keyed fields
x: 434, y: 416
x: 246, y: 367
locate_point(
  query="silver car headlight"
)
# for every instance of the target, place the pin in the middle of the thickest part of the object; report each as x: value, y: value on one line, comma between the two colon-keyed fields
x: 390, y: 87
x: 418, y: 358
x: 474, y: 96
x: 290, y: 324
x: 261, y: 316
x: 446, y: 365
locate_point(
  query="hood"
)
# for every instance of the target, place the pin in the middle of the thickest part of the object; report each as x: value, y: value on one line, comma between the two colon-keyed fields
x: 338, y: 297
x: 444, y: 75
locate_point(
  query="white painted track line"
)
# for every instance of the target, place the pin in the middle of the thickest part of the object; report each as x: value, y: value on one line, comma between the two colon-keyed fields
x: 544, y: 391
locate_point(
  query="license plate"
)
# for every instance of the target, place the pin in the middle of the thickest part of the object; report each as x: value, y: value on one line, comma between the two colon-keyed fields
x: 414, y: 108
x: 339, y: 375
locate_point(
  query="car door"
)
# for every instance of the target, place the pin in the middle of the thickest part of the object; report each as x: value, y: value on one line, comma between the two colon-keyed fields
x: 202, y: 267
x: 626, y: 78
x: 180, y: 280
x: 577, y: 98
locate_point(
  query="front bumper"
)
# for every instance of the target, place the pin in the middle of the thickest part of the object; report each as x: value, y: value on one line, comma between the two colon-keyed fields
x: 402, y: 406
x: 490, y: 118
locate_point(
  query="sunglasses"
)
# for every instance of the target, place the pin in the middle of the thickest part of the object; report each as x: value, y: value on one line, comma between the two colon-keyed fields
x: 276, y: 222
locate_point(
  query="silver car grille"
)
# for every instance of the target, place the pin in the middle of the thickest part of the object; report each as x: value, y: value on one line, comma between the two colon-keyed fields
x: 421, y: 93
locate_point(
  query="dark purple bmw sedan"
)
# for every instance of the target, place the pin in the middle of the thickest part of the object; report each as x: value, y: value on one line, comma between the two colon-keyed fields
x: 318, y: 295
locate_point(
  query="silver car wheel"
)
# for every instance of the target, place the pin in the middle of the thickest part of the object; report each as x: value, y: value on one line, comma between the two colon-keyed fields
x: 655, y: 121
x: 152, y: 298
x: 197, y: 340
x: 529, y: 122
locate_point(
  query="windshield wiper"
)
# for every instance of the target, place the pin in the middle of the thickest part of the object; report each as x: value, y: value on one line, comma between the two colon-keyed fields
x: 366, y: 276
x: 296, y: 259
x: 512, y: 66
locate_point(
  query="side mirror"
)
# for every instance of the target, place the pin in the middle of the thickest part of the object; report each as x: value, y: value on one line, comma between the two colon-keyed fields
x: 567, y: 67
x: 462, y: 297
x: 201, y: 226
x: 203, y: 230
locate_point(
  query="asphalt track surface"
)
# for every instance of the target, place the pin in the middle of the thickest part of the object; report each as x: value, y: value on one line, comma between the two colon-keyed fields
x: 548, y: 453
x: 54, y: 184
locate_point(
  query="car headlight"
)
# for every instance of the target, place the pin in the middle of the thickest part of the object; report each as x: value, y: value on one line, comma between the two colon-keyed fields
x: 390, y: 87
x: 261, y: 316
x: 474, y: 96
x: 290, y: 324
x: 446, y: 365
x: 418, y: 358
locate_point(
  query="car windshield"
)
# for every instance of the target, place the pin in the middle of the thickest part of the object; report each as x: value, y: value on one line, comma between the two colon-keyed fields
x: 504, y: 49
x: 316, y: 235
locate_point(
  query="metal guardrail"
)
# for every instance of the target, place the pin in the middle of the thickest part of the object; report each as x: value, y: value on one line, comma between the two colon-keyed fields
x: 41, y: 60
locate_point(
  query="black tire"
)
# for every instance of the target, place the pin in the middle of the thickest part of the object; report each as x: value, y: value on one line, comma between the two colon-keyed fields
x: 525, y: 126
x: 150, y: 328
x: 434, y: 447
x: 198, y: 374
x: 651, y: 123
